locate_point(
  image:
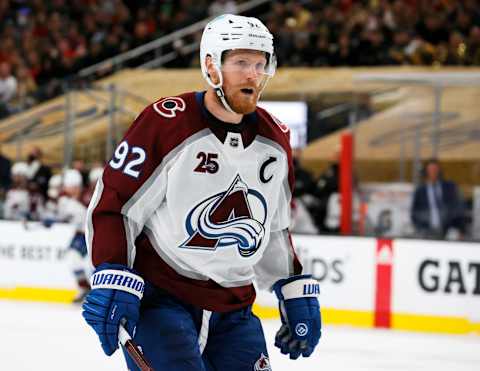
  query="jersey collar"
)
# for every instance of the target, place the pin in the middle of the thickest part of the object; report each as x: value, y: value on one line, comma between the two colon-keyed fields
x: 214, y: 122
x: 248, y: 127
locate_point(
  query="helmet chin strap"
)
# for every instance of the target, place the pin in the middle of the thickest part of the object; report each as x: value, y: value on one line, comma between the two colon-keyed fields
x: 221, y: 96
x: 219, y: 90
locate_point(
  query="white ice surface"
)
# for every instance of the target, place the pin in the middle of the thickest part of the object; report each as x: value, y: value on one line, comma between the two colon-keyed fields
x: 37, y: 337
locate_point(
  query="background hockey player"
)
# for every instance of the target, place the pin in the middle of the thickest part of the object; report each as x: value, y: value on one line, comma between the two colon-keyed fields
x: 64, y: 206
x: 192, y: 208
x: 71, y: 210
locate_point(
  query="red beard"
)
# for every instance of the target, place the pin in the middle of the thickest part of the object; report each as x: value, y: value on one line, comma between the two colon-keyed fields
x: 241, y: 102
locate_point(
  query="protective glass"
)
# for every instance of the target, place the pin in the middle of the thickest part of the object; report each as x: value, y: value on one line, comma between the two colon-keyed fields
x: 250, y: 65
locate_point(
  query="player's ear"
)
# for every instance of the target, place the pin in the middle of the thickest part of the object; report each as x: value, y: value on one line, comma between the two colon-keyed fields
x: 212, y: 71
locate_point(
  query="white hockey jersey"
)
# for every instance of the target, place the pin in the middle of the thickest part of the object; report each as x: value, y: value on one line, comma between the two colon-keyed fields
x: 198, y: 207
x: 17, y: 204
x: 72, y: 211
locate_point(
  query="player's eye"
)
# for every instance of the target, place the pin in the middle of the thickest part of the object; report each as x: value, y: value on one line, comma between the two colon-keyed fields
x: 241, y: 63
x: 260, y: 67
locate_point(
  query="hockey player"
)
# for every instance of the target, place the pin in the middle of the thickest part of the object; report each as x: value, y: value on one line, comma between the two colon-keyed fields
x: 193, y: 206
x: 17, y: 198
x: 71, y: 210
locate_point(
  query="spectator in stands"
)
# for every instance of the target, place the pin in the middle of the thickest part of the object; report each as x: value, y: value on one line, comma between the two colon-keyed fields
x: 332, y: 222
x: 304, y: 183
x: 455, y: 50
x: 222, y: 7
x: 17, y: 198
x: 183, y: 58
x: 93, y: 176
x: 5, y: 175
x: 398, y: 53
x: 55, y: 40
x: 8, y: 88
x: 300, y: 16
x: 463, y: 23
x: 25, y: 90
x: 473, y: 47
x: 80, y: 166
x: 303, y: 54
x: 50, y: 210
x: 38, y: 173
x: 117, y: 41
x: 437, y: 207
x: 373, y: 49
x: 327, y: 185
x: 433, y: 28
x: 322, y: 55
x: 342, y: 54
x: 303, y: 199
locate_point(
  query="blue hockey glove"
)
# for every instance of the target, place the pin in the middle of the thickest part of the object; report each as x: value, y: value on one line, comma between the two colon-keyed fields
x: 48, y: 222
x: 115, y: 296
x: 300, y: 313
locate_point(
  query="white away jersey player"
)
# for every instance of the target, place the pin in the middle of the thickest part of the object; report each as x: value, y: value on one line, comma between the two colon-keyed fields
x: 198, y: 207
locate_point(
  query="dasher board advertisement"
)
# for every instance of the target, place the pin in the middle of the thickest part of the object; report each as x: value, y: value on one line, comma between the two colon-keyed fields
x: 32, y: 255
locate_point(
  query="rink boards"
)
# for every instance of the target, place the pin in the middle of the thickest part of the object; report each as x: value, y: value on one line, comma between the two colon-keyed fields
x: 403, y: 284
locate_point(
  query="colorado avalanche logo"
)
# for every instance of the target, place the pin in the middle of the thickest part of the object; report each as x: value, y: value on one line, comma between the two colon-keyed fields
x: 233, y: 218
x: 262, y: 364
x: 167, y: 107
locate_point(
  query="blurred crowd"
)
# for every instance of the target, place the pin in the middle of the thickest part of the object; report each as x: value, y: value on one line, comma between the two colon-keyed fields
x: 376, y: 32
x: 437, y: 209
x: 46, y: 42
x: 31, y: 191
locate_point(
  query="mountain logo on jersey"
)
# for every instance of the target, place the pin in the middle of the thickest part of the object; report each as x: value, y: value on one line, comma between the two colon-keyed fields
x: 262, y: 364
x: 233, y: 218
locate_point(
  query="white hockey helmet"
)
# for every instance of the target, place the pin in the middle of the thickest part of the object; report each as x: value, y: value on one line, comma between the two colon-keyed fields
x: 54, y: 185
x: 72, y: 178
x: 228, y: 32
x: 55, y: 181
x: 95, y: 174
x: 19, y: 169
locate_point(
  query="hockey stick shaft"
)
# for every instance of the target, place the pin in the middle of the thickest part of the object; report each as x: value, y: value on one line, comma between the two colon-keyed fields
x: 132, y: 350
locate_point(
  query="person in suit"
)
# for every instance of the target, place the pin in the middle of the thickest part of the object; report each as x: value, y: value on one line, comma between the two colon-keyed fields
x: 39, y: 174
x: 437, y: 204
x: 5, y: 174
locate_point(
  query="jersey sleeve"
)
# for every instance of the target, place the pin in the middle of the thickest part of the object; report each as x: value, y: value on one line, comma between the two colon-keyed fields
x: 132, y: 186
x: 279, y: 259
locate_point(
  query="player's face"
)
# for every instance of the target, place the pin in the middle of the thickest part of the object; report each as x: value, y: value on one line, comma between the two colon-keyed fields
x: 433, y: 171
x: 244, y: 76
x: 73, y: 191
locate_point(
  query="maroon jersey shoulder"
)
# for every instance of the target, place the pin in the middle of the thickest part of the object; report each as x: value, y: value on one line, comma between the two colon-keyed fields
x: 170, y: 120
x: 157, y: 130
x: 272, y: 128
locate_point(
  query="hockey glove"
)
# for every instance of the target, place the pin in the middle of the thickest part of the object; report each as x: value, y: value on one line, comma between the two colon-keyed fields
x: 300, y: 314
x: 115, y: 296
